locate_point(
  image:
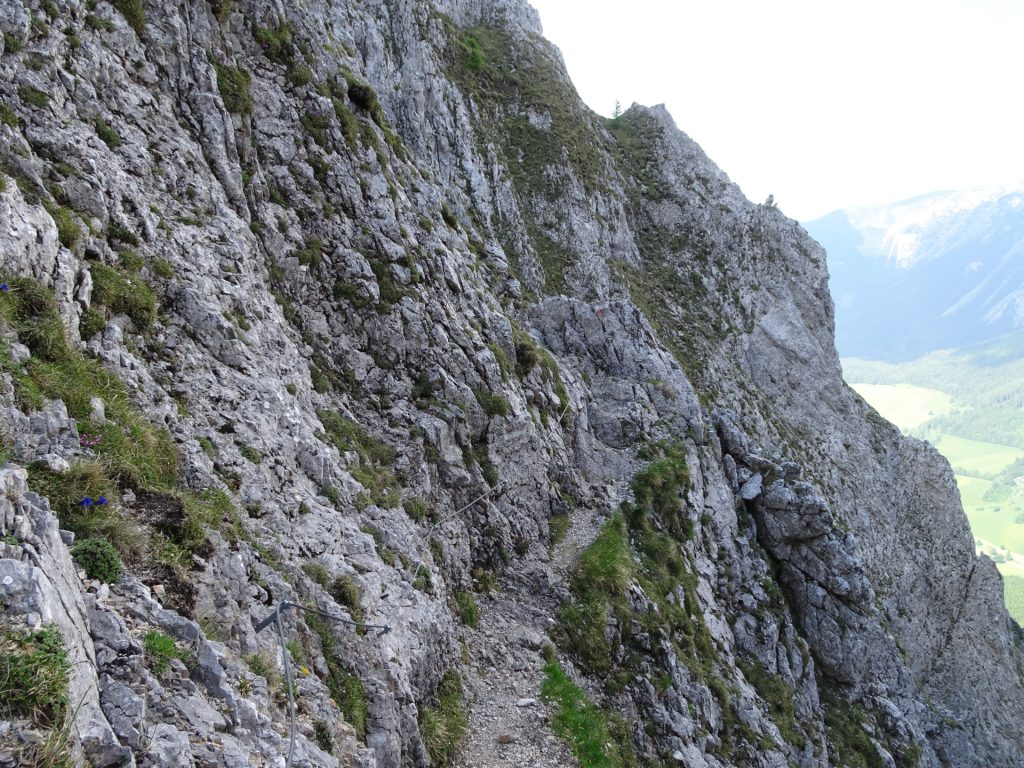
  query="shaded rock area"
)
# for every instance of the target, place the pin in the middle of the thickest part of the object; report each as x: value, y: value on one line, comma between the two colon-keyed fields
x: 354, y: 306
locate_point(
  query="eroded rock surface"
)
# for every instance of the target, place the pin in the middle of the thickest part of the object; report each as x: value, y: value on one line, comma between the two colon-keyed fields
x: 365, y: 311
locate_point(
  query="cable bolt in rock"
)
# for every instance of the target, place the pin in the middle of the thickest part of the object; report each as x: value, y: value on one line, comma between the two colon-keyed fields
x: 275, y: 618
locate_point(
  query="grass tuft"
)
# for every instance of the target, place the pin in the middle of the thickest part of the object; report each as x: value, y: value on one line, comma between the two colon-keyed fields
x: 133, y: 14
x: 493, y: 405
x: 124, y: 295
x: 107, y: 133
x: 160, y: 650
x: 33, y: 674
x: 443, y: 725
x: 583, y: 726
x: 234, y: 84
x: 465, y: 603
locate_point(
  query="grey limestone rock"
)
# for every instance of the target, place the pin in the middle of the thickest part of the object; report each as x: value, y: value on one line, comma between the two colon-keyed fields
x: 417, y: 309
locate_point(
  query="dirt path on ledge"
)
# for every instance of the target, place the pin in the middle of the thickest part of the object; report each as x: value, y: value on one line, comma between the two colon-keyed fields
x: 509, y: 723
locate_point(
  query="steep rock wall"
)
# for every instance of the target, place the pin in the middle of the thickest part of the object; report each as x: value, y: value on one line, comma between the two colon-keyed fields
x: 413, y: 307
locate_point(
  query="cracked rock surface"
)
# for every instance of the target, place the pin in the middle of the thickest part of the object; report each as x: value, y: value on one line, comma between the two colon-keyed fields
x: 419, y: 332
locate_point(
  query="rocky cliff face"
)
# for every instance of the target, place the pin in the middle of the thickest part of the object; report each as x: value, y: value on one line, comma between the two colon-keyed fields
x: 354, y: 305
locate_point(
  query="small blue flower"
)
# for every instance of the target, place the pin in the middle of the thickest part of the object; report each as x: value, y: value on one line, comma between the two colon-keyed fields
x: 101, y: 500
x: 86, y: 502
x: 4, y: 287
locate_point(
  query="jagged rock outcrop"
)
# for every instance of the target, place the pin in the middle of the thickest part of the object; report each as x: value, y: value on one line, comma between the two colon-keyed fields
x: 355, y: 305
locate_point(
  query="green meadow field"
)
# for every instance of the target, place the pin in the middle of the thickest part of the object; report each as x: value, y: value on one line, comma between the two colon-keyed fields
x: 905, y: 405
x: 977, y: 458
x: 973, y: 412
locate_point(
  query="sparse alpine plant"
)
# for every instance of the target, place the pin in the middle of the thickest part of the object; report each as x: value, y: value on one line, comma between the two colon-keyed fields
x: 4, y: 287
x: 87, y: 440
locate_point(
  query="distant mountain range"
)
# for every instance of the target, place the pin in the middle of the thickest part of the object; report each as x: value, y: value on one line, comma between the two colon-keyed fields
x: 937, y: 271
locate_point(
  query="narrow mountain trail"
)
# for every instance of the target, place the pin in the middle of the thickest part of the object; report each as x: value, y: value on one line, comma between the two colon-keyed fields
x: 510, y: 726
x: 509, y: 723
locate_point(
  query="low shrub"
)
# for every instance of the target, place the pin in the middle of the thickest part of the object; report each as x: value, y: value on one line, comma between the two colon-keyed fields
x: 109, y: 136
x: 99, y: 559
x: 362, y: 95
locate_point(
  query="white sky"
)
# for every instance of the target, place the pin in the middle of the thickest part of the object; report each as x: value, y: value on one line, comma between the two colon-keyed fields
x: 824, y: 103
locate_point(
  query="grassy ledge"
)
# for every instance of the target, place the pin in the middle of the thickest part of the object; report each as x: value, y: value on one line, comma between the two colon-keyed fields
x: 585, y: 728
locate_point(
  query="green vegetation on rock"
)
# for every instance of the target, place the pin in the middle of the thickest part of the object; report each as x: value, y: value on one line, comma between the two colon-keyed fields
x: 234, y: 84
x: 133, y: 14
x: 33, y: 674
x: 465, y: 603
x: 376, y: 459
x: 346, y: 688
x: 584, y: 727
x: 107, y: 133
x: 846, y: 724
x: 99, y: 559
x: 779, y: 697
x: 161, y: 650
x: 124, y: 294
x: 443, y: 725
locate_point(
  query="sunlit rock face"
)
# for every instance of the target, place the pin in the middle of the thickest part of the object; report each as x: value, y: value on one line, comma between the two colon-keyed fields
x: 355, y: 305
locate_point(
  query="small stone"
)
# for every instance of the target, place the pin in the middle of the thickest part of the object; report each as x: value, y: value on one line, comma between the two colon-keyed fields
x: 752, y: 488
x: 526, y: 702
x: 19, y: 353
x: 506, y: 739
x: 54, y: 463
x: 158, y: 589
x: 533, y: 640
x: 678, y: 756
x: 98, y: 411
